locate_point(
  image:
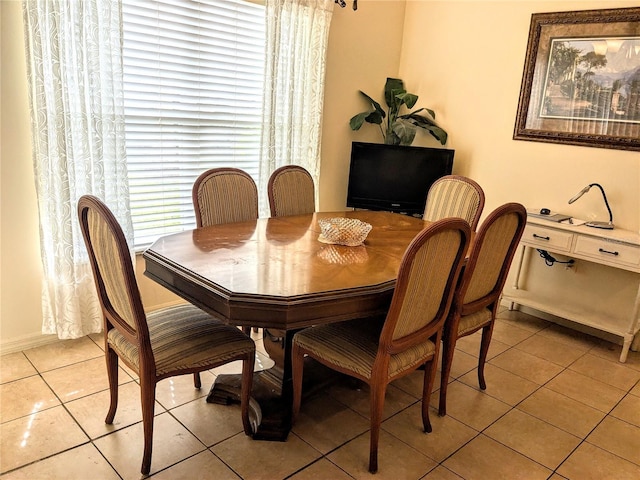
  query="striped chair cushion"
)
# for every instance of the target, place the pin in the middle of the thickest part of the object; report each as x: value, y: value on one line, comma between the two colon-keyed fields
x: 293, y: 193
x: 471, y: 322
x: 185, y: 337
x: 353, y: 346
x: 113, y: 276
x: 491, y: 257
x: 427, y: 281
x: 227, y: 198
x: 451, y: 198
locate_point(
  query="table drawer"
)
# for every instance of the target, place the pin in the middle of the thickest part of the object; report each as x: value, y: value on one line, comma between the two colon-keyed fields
x: 547, y: 238
x: 609, y: 253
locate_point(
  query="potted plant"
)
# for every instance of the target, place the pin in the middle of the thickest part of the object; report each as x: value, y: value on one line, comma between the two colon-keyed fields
x: 399, y: 129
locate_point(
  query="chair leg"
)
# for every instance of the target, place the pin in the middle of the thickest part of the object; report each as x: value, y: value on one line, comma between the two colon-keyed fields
x: 197, y: 383
x: 430, y: 370
x: 148, y: 396
x: 245, y: 393
x: 112, y: 374
x: 378, y: 391
x: 448, y: 348
x: 297, y: 365
x: 487, y: 332
x: 246, y: 331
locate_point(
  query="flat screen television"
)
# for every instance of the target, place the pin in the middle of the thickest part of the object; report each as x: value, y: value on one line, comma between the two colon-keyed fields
x: 394, y: 178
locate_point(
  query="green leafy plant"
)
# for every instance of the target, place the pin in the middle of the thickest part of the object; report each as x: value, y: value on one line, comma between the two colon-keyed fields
x: 398, y: 129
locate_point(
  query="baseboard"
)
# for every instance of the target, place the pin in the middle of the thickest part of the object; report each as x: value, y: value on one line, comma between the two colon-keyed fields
x: 26, y: 342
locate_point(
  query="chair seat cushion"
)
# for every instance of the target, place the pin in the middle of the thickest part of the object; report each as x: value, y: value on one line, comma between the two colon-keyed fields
x: 470, y: 323
x: 353, y: 345
x: 185, y: 338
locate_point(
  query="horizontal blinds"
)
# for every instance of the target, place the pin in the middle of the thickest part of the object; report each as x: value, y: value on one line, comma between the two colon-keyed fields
x: 193, y: 78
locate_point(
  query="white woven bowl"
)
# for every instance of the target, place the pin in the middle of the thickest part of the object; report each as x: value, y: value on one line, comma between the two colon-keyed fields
x: 343, y: 231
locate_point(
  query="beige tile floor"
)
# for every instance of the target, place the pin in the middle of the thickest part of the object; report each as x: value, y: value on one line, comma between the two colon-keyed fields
x: 558, y: 405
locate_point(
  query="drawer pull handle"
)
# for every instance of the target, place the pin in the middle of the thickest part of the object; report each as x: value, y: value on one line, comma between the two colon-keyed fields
x: 542, y: 238
x: 602, y: 250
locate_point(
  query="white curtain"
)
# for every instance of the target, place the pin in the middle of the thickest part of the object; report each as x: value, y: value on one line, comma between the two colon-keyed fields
x: 74, y: 66
x: 297, y: 36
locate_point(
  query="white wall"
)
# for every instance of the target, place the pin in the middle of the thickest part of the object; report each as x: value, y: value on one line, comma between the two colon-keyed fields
x: 21, y: 270
x: 356, y: 59
x: 464, y: 59
x: 364, y: 49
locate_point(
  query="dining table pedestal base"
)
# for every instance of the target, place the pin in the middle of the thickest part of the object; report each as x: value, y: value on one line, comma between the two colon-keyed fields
x: 272, y: 390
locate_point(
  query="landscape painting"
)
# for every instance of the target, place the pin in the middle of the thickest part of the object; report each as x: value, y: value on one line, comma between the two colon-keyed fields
x: 581, y: 79
x: 593, y: 78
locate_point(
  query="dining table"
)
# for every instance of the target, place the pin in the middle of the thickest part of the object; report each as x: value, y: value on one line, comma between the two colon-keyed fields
x: 280, y: 275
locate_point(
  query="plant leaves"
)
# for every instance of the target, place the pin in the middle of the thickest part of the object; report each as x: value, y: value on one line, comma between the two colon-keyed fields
x: 389, y: 87
x: 375, y: 117
x: 431, y: 114
x: 409, y: 99
x: 439, y: 134
x: 405, y: 130
x: 399, y: 129
x: 420, y: 120
x: 391, y: 139
x: 357, y: 120
x: 370, y: 117
x: 426, y: 123
x: 374, y: 104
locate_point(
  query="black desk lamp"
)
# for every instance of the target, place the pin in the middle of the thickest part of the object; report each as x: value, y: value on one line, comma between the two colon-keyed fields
x: 606, y: 225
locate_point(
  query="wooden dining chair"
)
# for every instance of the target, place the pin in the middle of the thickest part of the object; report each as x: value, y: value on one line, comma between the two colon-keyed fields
x: 291, y: 191
x: 378, y: 351
x: 477, y: 297
x: 173, y: 341
x: 224, y: 195
x: 455, y: 196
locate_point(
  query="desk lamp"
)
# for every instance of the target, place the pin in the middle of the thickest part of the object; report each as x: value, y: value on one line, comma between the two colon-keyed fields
x: 606, y: 225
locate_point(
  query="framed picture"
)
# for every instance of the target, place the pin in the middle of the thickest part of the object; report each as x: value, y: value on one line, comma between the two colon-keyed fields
x: 581, y: 80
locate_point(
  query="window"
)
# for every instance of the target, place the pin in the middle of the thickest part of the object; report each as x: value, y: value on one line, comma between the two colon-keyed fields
x: 193, y: 78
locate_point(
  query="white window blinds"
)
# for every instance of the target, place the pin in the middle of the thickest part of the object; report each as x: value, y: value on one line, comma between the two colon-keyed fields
x: 193, y: 80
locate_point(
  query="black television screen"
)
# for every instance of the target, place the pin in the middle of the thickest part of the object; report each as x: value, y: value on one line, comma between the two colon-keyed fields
x: 394, y: 178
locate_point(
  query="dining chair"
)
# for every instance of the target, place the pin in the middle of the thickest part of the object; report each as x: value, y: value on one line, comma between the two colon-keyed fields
x: 291, y: 191
x: 380, y: 350
x: 177, y: 340
x: 455, y: 196
x: 477, y: 297
x: 224, y: 195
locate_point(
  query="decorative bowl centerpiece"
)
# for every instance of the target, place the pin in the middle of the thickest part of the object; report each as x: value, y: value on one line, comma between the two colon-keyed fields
x: 343, y: 231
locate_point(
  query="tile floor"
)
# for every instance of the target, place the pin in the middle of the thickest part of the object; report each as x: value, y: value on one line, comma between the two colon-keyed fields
x: 558, y: 405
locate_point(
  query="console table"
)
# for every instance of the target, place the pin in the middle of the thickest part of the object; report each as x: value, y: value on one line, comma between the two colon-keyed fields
x: 615, y: 248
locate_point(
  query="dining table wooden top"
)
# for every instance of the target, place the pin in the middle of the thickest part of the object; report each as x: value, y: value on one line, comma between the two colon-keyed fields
x: 275, y: 272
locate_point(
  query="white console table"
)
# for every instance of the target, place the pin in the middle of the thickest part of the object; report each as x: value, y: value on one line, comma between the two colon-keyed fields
x: 614, y: 248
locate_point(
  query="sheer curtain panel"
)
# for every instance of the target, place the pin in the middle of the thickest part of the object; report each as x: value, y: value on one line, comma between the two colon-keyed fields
x: 297, y: 36
x: 74, y: 70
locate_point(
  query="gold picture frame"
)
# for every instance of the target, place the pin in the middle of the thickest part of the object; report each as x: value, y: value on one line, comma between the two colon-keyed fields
x: 581, y: 79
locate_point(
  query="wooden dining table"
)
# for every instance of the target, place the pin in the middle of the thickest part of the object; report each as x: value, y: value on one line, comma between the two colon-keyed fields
x: 275, y: 273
